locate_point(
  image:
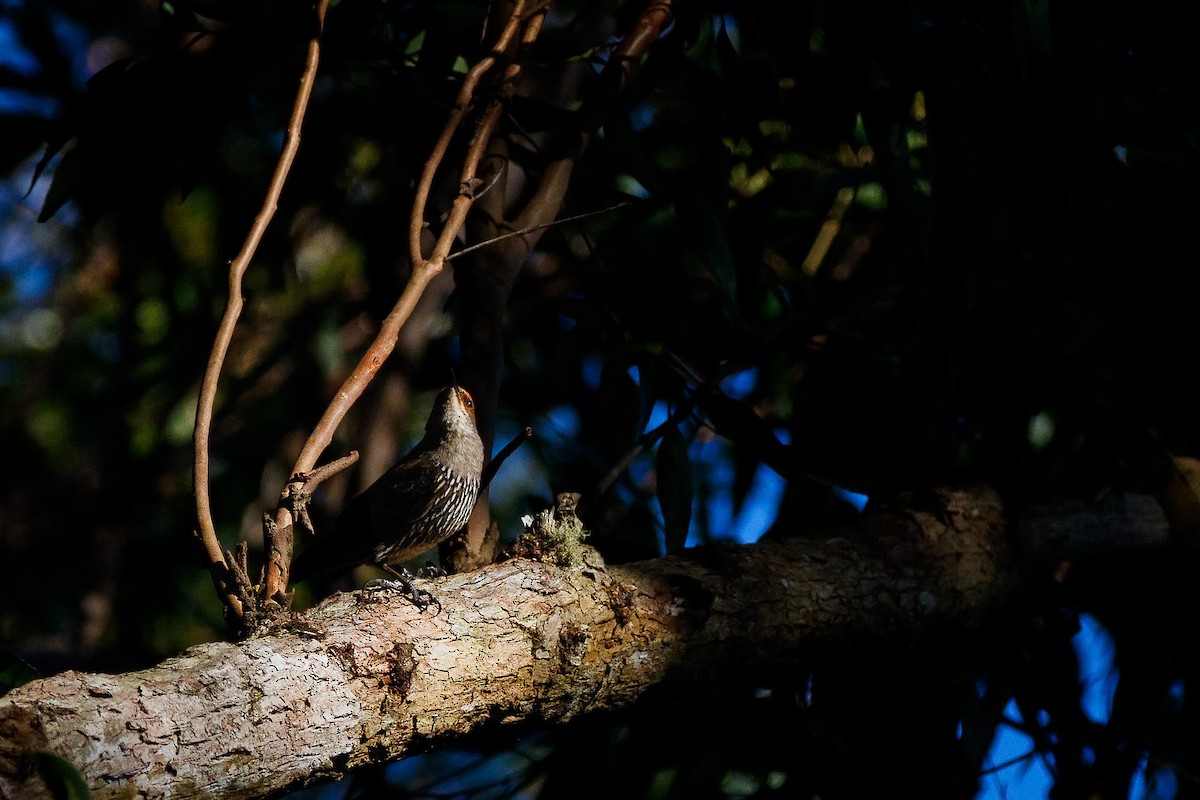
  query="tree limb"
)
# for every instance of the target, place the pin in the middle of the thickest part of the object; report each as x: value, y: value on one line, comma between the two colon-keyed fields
x: 363, y: 679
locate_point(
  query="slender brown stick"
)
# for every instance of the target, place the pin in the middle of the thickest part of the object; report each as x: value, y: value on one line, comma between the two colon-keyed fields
x: 644, y: 442
x: 280, y: 535
x: 354, y: 385
x: 494, y: 465
x: 233, y: 307
x: 319, y: 475
x: 462, y: 106
x: 649, y: 26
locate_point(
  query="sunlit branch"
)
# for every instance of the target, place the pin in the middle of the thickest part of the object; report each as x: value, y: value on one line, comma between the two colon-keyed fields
x: 423, y: 272
x: 462, y: 106
x: 219, y: 566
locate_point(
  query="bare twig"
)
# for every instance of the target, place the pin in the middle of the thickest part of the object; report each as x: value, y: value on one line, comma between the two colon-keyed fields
x: 653, y: 20
x: 493, y: 466
x: 644, y: 443
x: 219, y: 567
x: 462, y: 107
x: 646, y: 29
x: 299, y: 492
x: 319, y: 475
x: 533, y: 228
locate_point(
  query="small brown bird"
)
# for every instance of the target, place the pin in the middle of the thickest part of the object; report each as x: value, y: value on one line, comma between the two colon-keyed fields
x: 418, y: 503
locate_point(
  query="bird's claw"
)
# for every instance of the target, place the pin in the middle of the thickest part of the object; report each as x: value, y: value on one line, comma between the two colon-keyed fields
x: 420, y: 598
x: 431, y: 570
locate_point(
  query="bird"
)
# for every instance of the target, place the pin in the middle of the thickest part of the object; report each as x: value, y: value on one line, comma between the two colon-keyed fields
x: 422, y: 500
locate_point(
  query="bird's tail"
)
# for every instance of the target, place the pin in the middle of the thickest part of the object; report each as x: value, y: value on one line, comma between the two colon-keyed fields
x: 304, y: 566
x: 334, y: 551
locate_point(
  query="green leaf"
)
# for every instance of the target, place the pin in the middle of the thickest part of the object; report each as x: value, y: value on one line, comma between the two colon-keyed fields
x: 674, y: 488
x: 61, y: 777
x: 14, y: 672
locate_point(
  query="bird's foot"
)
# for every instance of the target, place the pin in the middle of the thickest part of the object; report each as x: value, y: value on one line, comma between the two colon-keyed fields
x: 403, y: 584
x: 431, y: 570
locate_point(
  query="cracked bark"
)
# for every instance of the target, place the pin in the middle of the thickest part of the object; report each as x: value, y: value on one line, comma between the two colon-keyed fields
x: 361, y: 679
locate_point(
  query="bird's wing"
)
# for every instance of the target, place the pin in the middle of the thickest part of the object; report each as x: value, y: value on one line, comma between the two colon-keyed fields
x: 403, y: 494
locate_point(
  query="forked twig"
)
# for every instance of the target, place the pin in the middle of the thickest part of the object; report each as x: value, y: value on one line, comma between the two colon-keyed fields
x: 227, y: 576
x: 462, y: 106
x: 424, y: 270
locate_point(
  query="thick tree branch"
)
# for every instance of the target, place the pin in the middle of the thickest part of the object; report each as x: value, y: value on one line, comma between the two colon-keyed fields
x: 363, y: 679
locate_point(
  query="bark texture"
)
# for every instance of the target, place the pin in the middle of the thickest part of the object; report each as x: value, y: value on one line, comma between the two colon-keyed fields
x: 365, y: 677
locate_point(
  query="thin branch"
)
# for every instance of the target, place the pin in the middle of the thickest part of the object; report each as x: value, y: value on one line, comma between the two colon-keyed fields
x: 533, y: 228
x: 648, y: 27
x: 546, y: 200
x: 233, y: 307
x: 462, y: 106
x: 477, y: 148
x: 645, y: 31
x: 280, y: 533
x: 319, y: 475
x: 354, y: 385
x: 644, y: 442
x: 1006, y: 764
x: 494, y: 465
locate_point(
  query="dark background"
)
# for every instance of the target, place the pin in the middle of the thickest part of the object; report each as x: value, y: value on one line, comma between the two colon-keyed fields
x: 1009, y: 296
